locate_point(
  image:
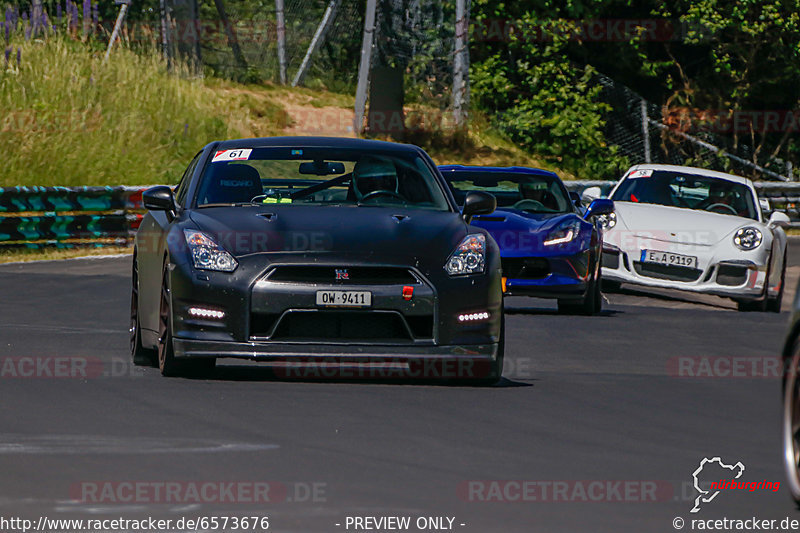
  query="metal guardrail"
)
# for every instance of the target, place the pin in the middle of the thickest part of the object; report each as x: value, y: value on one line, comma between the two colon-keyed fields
x: 33, y: 217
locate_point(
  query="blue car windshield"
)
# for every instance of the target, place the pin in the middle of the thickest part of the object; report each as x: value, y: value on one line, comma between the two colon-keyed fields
x: 319, y: 176
x: 532, y: 193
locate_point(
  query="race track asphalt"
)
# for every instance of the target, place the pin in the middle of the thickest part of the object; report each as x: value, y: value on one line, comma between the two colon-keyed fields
x: 605, y: 399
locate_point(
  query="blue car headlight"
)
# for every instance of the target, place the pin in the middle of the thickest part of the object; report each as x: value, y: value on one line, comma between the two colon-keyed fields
x: 563, y: 233
x: 469, y: 257
x: 207, y: 254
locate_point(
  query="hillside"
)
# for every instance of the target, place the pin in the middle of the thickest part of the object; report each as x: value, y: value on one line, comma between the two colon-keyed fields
x: 71, y: 120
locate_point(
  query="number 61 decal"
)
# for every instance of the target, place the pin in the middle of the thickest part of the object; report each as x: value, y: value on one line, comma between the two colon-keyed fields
x: 242, y: 154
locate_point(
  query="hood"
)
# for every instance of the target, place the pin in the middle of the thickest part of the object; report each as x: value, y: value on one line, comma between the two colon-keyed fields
x: 675, y: 224
x: 519, y: 233
x: 381, y: 234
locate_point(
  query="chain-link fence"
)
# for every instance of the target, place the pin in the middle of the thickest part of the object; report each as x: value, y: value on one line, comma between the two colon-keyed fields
x: 648, y: 133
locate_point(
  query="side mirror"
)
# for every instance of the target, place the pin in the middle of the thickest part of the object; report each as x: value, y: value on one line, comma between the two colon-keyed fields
x: 478, y: 203
x: 591, y: 193
x: 764, y: 203
x: 598, y: 207
x: 159, y: 198
x: 575, y: 198
x: 780, y: 220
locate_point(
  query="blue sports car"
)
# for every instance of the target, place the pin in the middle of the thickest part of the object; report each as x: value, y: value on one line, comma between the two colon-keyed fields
x: 550, y: 244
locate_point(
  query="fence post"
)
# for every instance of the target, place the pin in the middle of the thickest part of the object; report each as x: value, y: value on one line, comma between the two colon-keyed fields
x: 123, y: 8
x: 36, y: 18
x: 165, y: 29
x: 319, y: 36
x: 281, y: 31
x: 461, y: 64
x: 645, y: 130
x: 364, y: 66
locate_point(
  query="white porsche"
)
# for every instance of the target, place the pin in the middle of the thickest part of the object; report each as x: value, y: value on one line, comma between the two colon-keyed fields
x: 696, y: 230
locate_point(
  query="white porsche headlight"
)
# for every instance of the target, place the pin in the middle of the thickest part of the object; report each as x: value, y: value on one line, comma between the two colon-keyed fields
x: 563, y: 233
x: 469, y: 257
x: 748, y: 238
x: 607, y: 221
x: 207, y: 254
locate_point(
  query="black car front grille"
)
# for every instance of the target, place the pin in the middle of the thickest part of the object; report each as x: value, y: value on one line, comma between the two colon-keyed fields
x: 525, y: 267
x: 668, y: 272
x: 350, y: 326
x: 352, y: 275
x: 731, y: 275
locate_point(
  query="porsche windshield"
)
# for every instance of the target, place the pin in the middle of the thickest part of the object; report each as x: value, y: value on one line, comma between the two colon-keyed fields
x: 533, y: 193
x: 319, y: 176
x: 690, y: 191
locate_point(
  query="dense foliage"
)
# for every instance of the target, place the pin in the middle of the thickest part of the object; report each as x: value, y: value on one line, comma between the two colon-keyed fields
x: 729, y: 68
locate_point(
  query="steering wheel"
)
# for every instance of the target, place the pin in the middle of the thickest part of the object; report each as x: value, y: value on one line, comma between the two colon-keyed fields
x: 382, y: 192
x: 528, y: 203
x: 725, y: 206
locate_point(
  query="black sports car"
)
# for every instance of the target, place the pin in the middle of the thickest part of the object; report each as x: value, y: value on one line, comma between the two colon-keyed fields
x: 317, y: 251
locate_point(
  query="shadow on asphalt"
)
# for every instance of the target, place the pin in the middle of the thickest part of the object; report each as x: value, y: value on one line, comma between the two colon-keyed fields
x: 671, y: 297
x: 554, y: 312
x: 269, y: 374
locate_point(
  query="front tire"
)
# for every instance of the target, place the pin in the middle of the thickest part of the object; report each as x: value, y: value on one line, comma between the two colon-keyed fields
x: 167, y: 363
x: 592, y: 302
x: 140, y: 355
x: 774, y: 304
x: 791, y: 424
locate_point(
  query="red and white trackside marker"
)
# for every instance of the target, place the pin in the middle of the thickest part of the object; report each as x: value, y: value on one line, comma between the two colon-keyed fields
x: 242, y: 154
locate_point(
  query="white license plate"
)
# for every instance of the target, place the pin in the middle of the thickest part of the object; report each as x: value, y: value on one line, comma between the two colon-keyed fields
x: 344, y: 298
x: 668, y: 258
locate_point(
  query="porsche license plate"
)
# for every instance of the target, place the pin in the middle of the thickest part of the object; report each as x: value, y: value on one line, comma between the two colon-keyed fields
x: 668, y: 258
x: 344, y: 298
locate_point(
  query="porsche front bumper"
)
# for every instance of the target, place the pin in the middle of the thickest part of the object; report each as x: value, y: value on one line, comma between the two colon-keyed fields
x: 721, y: 271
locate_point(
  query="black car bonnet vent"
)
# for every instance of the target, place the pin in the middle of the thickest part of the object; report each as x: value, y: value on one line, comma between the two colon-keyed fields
x: 269, y: 216
x: 400, y: 218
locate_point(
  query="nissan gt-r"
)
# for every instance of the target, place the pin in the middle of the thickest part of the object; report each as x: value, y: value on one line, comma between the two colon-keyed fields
x: 316, y: 251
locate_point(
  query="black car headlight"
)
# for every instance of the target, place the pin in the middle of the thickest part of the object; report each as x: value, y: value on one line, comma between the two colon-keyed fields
x: 748, y: 238
x: 469, y: 257
x: 563, y: 234
x: 207, y: 254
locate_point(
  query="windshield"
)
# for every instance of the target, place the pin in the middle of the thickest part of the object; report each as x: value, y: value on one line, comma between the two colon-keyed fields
x: 690, y: 191
x: 319, y: 176
x: 527, y: 192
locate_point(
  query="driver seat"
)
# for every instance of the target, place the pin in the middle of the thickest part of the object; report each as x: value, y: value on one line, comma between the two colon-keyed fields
x: 233, y: 184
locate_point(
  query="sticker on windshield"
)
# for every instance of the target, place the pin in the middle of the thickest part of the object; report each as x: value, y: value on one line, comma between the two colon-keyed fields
x: 643, y: 173
x: 232, y: 155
